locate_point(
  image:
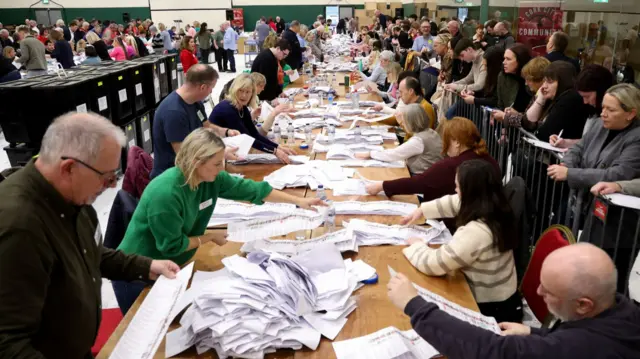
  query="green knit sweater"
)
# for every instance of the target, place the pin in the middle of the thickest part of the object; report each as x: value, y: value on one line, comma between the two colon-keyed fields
x: 169, y: 213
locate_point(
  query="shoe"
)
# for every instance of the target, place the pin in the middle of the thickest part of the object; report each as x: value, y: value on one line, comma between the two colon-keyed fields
x: 232, y: 71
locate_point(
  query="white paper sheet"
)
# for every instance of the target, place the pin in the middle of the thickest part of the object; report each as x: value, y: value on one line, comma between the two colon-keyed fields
x: 384, y: 344
x: 275, y: 226
x: 242, y: 142
x: 624, y: 200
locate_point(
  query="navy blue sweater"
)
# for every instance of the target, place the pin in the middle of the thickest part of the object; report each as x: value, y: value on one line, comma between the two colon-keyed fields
x: 615, y: 333
x: 226, y: 115
x: 63, y: 54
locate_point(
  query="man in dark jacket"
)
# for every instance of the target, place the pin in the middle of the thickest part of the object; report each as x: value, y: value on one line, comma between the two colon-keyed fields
x: 578, y: 284
x: 295, y: 55
x: 556, y: 46
x: 505, y: 39
x: 266, y: 63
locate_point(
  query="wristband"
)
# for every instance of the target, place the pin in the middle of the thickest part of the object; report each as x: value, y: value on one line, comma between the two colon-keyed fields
x: 226, y: 133
x: 199, y: 242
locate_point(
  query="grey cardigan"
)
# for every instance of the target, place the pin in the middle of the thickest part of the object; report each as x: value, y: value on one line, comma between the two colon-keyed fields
x: 632, y: 188
x: 589, y: 163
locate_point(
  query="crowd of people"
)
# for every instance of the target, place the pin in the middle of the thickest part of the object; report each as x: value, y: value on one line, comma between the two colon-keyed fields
x: 558, y: 99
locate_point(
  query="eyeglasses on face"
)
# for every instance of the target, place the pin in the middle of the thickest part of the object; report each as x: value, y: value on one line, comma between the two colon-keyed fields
x: 108, y: 177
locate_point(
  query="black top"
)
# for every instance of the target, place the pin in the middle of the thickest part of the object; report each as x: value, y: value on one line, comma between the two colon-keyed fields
x: 142, y: 50
x: 66, y: 33
x: 280, y: 27
x: 404, y: 40
x: 63, y: 54
x: 226, y: 115
x: 295, y: 55
x: 267, y: 64
x: 78, y: 35
x: 566, y: 113
x: 101, y: 49
x: 6, y: 66
x: 559, y: 56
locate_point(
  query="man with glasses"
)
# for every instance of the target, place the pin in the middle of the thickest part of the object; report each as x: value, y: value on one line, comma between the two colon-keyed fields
x: 180, y: 113
x: 424, y: 44
x: 51, y: 253
x: 268, y: 63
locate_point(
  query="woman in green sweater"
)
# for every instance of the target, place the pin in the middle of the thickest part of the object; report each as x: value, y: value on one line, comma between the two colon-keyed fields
x: 173, y: 213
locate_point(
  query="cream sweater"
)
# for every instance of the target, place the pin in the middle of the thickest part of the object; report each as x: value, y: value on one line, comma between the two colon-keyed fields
x: 490, y: 273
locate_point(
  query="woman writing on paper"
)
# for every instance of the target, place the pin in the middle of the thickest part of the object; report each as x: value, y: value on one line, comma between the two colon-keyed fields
x: 235, y: 114
x: 175, y: 208
x: 421, y: 151
x: 482, y: 247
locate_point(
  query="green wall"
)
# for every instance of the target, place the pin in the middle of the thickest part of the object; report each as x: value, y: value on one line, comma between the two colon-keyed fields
x: 409, y: 9
x: 306, y: 14
x: 17, y: 16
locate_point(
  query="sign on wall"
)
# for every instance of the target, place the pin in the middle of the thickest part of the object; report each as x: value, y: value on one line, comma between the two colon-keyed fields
x: 535, y: 24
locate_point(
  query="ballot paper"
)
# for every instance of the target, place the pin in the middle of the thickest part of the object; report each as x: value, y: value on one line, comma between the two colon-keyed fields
x: 227, y: 211
x: 340, y: 152
x: 311, y: 174
x: 352, y: 187
x: 242, y: 142
x: 370, y: 120
x: 348, y: 139
x: 368, y: 163
x: 294, y: 76
x: 374, y: 234
x: 246, y: 231
x: 355, y: 147
x: 545, y: 145
x: 624, y: 200
x: 369, y: 131
x: 384, y: 344
x: 142, y: 337
x: 265, y: 110
x: 267, y: 301
x: 384, y: 208
x: 293, y: 247
x: 266, y: 158
x: 456, y: 310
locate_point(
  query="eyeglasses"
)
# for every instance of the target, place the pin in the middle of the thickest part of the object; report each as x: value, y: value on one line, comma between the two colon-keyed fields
x: 108, y: 181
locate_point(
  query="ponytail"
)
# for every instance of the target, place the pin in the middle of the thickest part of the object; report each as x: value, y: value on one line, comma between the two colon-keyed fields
x: 480, y: 148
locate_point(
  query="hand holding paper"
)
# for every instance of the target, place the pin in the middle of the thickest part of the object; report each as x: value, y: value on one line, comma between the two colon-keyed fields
x: 243, y: 142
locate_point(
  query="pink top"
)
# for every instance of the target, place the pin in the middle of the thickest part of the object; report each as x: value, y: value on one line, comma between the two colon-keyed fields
x: 192, y: 32
x: 118, y: 54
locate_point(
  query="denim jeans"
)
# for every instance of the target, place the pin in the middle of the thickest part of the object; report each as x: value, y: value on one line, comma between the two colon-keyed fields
x: 231, y: 59
x: 451, y: 112
x: 126, y: 293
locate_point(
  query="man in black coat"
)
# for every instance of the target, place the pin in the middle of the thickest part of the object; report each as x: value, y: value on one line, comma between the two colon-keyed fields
x: 295, y: 55
x: 266, y: 63
x: 556, y: 46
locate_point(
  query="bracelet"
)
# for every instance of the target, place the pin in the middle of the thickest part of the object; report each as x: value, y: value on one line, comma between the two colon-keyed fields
x: 539, y: 104
x: 226, y: 133
x: 199, y: 242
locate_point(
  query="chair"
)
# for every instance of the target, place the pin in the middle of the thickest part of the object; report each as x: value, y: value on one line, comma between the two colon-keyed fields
x: 556, y: 236
x: 110, y: 320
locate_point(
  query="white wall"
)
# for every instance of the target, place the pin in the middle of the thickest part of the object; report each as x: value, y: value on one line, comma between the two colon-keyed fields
x: 212, y: 17
x: 12, y: 4
x: 190, y: 4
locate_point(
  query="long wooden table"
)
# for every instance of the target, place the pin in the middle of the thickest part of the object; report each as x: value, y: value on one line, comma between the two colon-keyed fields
x: 374, y: 311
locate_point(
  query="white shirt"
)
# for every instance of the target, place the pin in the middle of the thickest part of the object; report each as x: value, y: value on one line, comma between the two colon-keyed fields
x: 410, y: 148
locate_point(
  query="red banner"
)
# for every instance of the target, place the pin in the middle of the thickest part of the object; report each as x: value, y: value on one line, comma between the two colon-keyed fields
x: 238, y: 18
x: 535, y: 24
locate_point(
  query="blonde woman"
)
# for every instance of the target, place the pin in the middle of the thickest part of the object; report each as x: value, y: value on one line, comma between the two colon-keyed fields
x: 391, y: 95
x: 315, y: 50
x: 421, y: 151
x: 131, y: 42
x: 379, y: 72
x: 99, y: 45
x: 80, y: 47
x: 234, y: 113
x: 175, y: 208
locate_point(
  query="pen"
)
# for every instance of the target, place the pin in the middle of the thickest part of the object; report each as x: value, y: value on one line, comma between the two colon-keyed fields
x: 560, y: 134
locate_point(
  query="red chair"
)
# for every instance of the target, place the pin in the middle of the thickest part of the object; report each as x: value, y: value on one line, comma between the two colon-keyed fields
x: 110, y: 320
x: 554, y: 237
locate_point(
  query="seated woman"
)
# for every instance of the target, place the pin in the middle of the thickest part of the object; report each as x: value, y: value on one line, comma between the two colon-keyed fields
x: 389, y: 96
x: 482, y: 246
x: 379, y: 73
x: 372, y: 60
x: 461, y: 141
x: 120, y: 51
x: 421, y: 151
x: 234, y: 114
x: 175, y: 208
x: 92, y: 56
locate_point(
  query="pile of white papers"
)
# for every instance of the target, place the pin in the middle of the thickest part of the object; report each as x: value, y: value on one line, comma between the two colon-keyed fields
x: 373, y: 234
x: 265, y: 302
x: 352, y: 187
x: 384, y: 344
x: 456, y: 310
x: 545, y: 145
x: 383, y: 208
x: 356, y: 147
x: 368, y: 132
x: 227, y: 211
x: 302, y: 219
x: 301, y: 123
x: 368, y: 163
x: 339, y: 239
x: 311, y: 174
x: 292, y: 91
x: 349, y: 139
x: 266, y: 158
x: 242, y: 142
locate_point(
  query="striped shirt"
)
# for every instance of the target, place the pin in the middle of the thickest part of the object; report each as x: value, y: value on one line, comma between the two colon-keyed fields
x: 491, y: 274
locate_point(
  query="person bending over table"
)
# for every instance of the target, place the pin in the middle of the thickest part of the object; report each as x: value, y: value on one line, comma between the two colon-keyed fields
x: 461, y: 141
x: 234, y: 113
x: 482, y: 246
x: 379, y: 72
x: 421, y: 151
x: 266, y: 63
x: 175, y: 208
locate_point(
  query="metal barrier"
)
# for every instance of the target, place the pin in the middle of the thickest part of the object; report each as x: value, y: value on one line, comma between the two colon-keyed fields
x: 611, y: 226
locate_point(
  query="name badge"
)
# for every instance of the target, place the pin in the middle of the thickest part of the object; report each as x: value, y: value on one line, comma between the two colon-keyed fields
x: 206, y: 204
x: 200, y: 116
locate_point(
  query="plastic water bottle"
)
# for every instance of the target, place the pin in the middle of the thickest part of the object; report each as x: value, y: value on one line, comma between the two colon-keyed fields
x: 355, y: 100
x: 291, y: 133
x: 307, y: 134
x: 277, y: 136
x: 357, y: 133
x: 320, y: 193
x: 330, y: 99
x: 331, y: 133
x: 330, y: 221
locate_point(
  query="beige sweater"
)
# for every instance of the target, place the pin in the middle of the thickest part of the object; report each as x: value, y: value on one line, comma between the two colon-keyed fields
x: 490, y: 273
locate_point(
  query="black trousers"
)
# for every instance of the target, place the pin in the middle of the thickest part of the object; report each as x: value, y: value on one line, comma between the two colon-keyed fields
x: 221, y: 56
x: 204, y: 53
x: 509, y: 310
x: 231, y: 59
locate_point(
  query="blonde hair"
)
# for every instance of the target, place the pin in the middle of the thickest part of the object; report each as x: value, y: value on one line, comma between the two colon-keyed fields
x: 132, y: 42
x: 393, y: 72
x: 258, y: 80
x: 534, y: 69
x: 92, y: 37
x: 270, y: 41
x: 80, y: 46
x: 309, y: 36
x: 6, y: 51
x: 196, y: 149
x: 241, y: 82
x: 161, y: 27
x: 628, y: 96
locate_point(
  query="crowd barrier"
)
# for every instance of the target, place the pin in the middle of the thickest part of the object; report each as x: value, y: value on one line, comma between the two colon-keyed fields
x: 611, y: 225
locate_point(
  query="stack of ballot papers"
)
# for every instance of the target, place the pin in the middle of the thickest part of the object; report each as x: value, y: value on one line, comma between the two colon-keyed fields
x: 242, y: 142
x: 292, y: 91
x: 355, y: 147
x: 267, y: 301
x: 300, y: 220
x: 352, y: 187
x: 323, y: 91
x: 266, y: 158
x: 385, y: 344
x: 339, y: 239
x: 350, y: 139
x: 227, y: 211
x: 374, y: 234
x: 368, y: 163
x: 456, y: 310
x: 311, y: 174
x: 381, y: 208
x: 368, y: 132
x: 300, y: 123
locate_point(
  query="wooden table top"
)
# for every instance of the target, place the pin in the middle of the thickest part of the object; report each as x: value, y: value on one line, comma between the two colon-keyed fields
x: 375, y: 311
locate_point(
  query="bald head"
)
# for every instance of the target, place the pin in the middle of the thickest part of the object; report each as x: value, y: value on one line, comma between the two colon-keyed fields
x: 578, y: 281
x: 453, y: 27
x: 500, y: 28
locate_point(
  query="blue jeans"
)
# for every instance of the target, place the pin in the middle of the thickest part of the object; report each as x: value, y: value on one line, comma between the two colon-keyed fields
x: 231, y: 59
x: 11, y: 76
x: 451, y: 112
x: 126, y: 293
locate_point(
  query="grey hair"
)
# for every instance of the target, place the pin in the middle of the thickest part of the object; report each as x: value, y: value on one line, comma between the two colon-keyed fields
x: 4, y: 31
x: 59, y: 22
x: 85, y: 24
x: 294, y: 23
x: 415, y: 119
x: 386, y: 55
x: 153, y: 28
x: 628, y: 96
x: 78, y: 135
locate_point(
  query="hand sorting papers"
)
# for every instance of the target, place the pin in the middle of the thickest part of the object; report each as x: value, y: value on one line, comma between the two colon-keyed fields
x: 265, y: 302
x: 352, y: 187
x: 242, y: 142
x: 384, y: 344
x: 228, y: 211
x: 311, y: 174
x: 373, y: 234
x: 455, y: 310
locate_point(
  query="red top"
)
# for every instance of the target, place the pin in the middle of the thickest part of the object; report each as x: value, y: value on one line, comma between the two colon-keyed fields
x: 42, y: 39
x: 437, y: 181
x: 273, y: 26
x: 188, y: 59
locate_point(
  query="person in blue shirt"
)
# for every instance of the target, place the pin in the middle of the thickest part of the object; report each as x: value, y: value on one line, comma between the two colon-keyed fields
x: 424, y: 44
x: 180, y: 113
x: 234, y: 113
x: 92, y: 56
x: 230, y: 45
